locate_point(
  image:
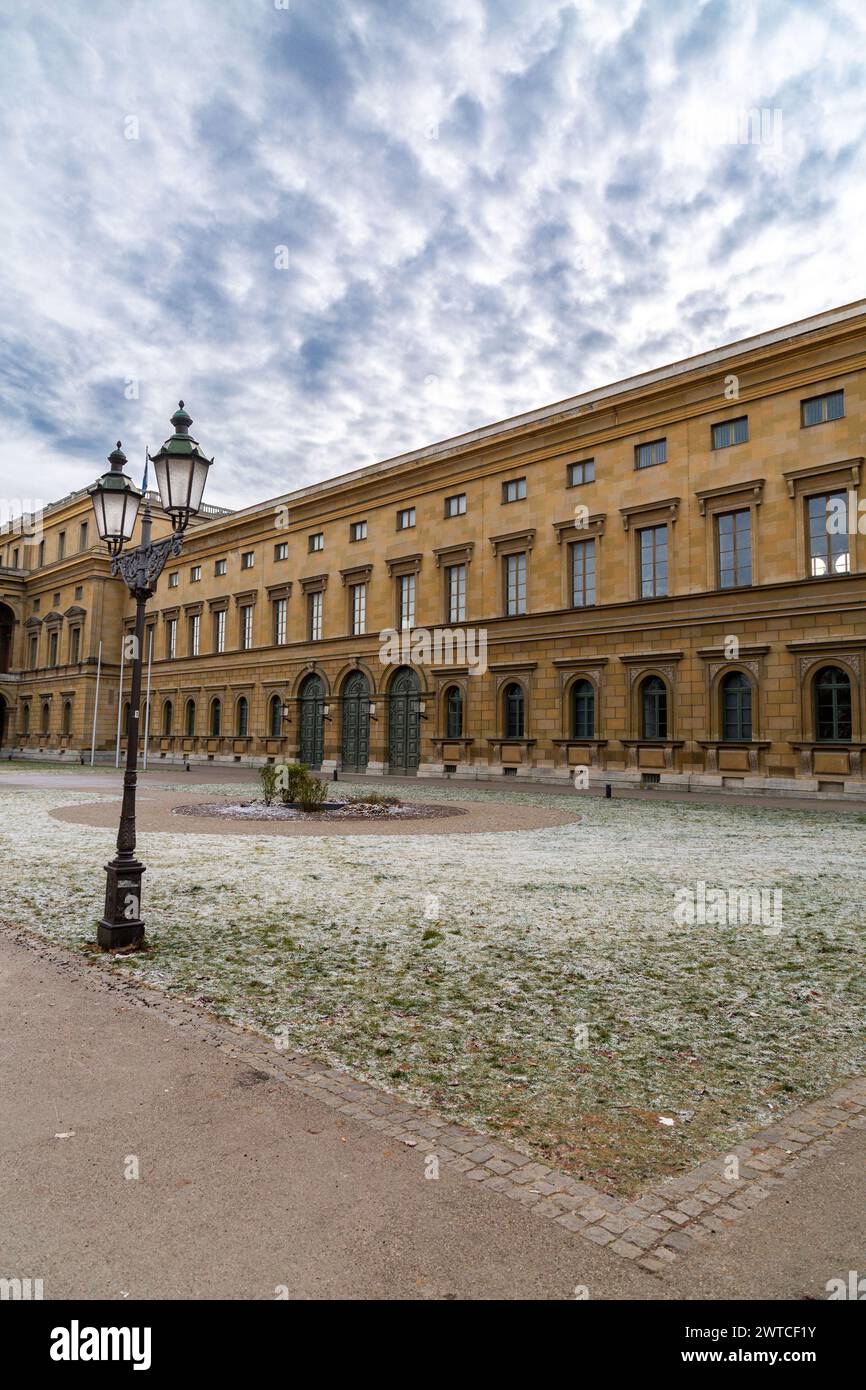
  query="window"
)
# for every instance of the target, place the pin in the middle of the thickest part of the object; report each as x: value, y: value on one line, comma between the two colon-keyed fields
x: 246, y: 617
x: 735, y: 548
x: 819, y: 409
x: 736, y: 694
x: 358, y: 596
x: 173, y: 579
x: 515, y: 583
x: 579, y: 473
x: 654, y: 708
x: 358, y: 531
x: 82, y: 536
x: 314, y: 616
x: 281, y: 550
x: 61, y: 545
x: 514, y: 710
x: 316, y: 541
x: 25, y: 720
x: 730, y: 432
x: 46, y: 717
x: 66, y: 726
x: 74, y: 645
x: 647, y: 455
x: 37, y: 603
x: 216, y: 718
x: 167, y: 713
x: 219, y: 630
x: 34, y: 645
x: 195, y: 574
x: 220, y: 567
x: 275, y: 720
x: 190, y: 719
x: 583, y: 574
x: 194, y: 630
x: 406, y: 583
x: 456, y: 505
x: 15, y: 559
x: 454, y: 712
x: 79, y: 588
x: 405, y: 518
x: 171, y: 637
x: 42, y: 554
x: 243, y: 717
x: 455, y: 579
x: 53, y: 640
x: 653, y: 543
x: 832, y: 706
x: 248, y: 558
x: 514, y: 490
x: 281, y: 616
x: 583, y: 709
x: 56, y: 601
x: 127, y: 708
x: 828, y: 534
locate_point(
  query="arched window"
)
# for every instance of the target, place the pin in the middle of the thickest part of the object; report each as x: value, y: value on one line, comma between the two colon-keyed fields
x: 514, y: 710
x: 276, y: 716
x: 832, y: 706
x: 66, y: 726
x: 46, y: 717
x: 216, y: 718
x: 736, y: 694
x: 582, y: 709
x: 190, y: 718
x: 25, y: 719
x: 454, y: 712
x: 243, y: 716
x: 167, y: 714
x: 654, y: 708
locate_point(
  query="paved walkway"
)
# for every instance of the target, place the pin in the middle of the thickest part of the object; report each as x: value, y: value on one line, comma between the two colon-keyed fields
x: 247, y: 1184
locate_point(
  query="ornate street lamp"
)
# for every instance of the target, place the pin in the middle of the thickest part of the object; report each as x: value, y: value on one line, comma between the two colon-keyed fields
x: 181, y: 472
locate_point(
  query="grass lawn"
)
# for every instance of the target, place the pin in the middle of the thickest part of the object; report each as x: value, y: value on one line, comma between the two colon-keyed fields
x: 475, y: 1003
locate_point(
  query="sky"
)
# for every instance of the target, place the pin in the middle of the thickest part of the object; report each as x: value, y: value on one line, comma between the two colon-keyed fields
x: 344, y: 229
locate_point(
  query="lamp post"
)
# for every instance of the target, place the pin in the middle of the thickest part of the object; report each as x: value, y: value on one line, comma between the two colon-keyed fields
x: 181, y: 472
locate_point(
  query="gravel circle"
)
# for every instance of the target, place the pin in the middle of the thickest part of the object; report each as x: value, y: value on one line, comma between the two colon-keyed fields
x: 258, y: 811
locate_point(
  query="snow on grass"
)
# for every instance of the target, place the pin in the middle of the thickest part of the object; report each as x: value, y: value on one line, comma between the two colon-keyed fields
x: 461, y: 970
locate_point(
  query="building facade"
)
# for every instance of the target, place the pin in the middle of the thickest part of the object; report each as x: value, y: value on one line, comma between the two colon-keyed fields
x: 660, y: 581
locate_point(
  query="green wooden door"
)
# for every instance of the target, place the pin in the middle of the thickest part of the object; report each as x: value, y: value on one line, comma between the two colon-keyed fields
x: 356, y: 723
x: 404, y: 723
x: 312, y: 721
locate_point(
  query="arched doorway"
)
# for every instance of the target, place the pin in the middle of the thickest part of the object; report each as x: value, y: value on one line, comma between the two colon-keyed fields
x: 404, y: 722
x: 356, y: 722
x: 4, y: 719
x: 7, y: 619
x: 311, y: 701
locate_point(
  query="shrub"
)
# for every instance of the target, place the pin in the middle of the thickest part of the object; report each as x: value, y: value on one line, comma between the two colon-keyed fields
x: 374, y: 799
x: 268, y: 779
x: 311, y: 792
x: 289, y: 778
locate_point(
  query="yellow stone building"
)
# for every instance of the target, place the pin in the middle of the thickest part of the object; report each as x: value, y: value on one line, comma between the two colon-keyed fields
x: 657, y: 581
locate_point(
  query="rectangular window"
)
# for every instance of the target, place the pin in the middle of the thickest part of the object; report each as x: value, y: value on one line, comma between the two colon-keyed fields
x: 730, y: 432
x: 407, y: 600
x: 735, y: 549
x: 194, y: 630
x: 316, y: 541
x: 405, y: 518
x: 247, y: 559
x: 74, y: 645
x: 195, y: 574
x: 514, y: 490
x: 315, y: 603
x: 456, y: 505
x: 583, y: 574
x: 281, y: 550
x: 79, y: 591
x: 219, y: 630
x: 171, y: 637
x: 220, y: 567
x: 515, y: 583
x: 579, y: 473
x: 82, y: 536
x: 41, y: 552
x: 358, y: 531
x: 173, y: 579
x: 281, y: 619
x: 653, y: 542
x: 647, y: 455
x: 455, y: 577
x: 52, y: 649
x: 819, y: 409
x: 359, y: 609
x: 34, y: 644
x: 246, y: 613
x: 61, y: 545
x: 828, y: 534
x: 15, y: 559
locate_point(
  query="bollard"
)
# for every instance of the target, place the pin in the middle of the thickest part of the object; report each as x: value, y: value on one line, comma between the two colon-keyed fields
x: 336, y: 778
x: 608, y: 791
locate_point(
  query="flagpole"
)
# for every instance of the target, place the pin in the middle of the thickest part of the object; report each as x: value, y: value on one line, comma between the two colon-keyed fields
x: 95, y: 707
x: 119, y: 701
x: 147, y: 698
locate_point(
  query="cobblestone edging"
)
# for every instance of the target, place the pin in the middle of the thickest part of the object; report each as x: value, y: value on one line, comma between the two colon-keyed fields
x: 653, y: 1230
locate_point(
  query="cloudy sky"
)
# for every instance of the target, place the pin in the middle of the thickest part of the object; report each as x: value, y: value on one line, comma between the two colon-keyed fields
x: 341, y: 229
